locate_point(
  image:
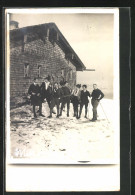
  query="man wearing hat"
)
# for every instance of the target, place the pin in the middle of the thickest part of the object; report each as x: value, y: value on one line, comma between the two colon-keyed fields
x: 66, y: 97
x: 45, y: 92
x: 55, y: 99
x: 34, y: 91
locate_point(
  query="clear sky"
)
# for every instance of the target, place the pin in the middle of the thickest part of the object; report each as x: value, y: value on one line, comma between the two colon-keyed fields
x: 92, y: 38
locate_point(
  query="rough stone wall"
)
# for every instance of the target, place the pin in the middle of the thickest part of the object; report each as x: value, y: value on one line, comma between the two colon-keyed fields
x: 37, y: 53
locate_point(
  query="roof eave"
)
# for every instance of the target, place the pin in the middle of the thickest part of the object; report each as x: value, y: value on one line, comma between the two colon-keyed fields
x: 76, y: 61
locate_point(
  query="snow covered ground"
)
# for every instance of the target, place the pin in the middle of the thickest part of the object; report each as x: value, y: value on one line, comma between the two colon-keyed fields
x: 64, y: 140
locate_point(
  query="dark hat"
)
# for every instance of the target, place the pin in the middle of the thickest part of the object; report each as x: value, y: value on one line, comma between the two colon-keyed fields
x: 65, y: 82
x: 62, y: 83
x: 85, y: 86
x: 78, y: 85
x: 48, y: 78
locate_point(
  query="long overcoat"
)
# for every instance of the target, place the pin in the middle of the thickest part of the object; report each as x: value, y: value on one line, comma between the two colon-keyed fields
x: 34, y: 91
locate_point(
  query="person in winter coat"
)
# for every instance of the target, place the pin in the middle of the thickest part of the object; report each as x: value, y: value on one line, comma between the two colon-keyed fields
x: 34, y: 91
x: 75, y: 99
x: 45, y: 91
x: 96, y: 95
x: 55, y: 99
x: 66, y: 97
x: 84, y: 100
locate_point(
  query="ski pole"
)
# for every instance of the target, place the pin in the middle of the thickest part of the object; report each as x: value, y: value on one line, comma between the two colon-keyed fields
x: 104, y: 112
x: 88, y: 109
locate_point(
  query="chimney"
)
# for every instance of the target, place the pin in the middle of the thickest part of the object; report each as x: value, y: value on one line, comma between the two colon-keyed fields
x: 13, y: 24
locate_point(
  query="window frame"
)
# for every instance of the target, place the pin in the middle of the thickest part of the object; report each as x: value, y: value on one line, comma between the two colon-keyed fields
x: 26, y: 70
x: 71, y: 74
x: 62, y: 72
x: 39, y: 71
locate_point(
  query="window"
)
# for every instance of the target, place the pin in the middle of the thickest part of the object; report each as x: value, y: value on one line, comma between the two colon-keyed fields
x: 39, y: 70
x: 26, y: 70
x: 71, y: 74
x: 62, y: 72
x: 67, y: 76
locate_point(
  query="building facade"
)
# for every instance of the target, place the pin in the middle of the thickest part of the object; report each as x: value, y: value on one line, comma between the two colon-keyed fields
x: 39, y: 51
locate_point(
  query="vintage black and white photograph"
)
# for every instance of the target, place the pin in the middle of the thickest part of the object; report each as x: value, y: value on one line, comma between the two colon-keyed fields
x: 62, y: 86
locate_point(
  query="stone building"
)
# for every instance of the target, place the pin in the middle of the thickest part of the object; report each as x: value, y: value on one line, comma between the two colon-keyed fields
x: 39, y: 51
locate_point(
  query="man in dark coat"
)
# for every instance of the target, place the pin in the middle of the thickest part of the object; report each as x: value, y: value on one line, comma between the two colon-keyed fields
x: 84, y: 100
x: 45, y: 91
x: 97, y: 95
x: 55, y: 99
x: 34, y: 91
x: 66, y: 97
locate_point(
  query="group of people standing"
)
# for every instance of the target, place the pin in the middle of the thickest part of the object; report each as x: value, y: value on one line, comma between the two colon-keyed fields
x: 59, y: 94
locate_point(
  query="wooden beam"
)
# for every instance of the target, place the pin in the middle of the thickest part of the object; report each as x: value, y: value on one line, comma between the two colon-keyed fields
x: 47, y: 34
x: 57, y: 37
x: 72, y: 56
x: 25, y: 38
x: 48, y: 31
x: 89, y: 70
